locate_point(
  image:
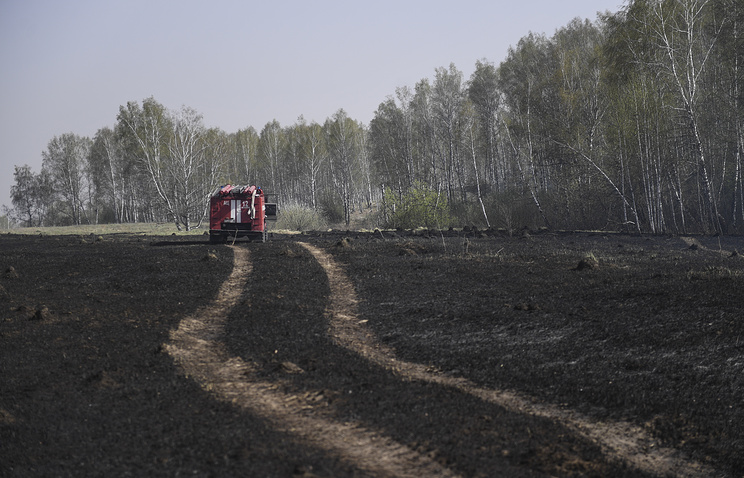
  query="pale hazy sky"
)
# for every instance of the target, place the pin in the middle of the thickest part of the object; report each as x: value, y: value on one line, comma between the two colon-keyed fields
x: 67, y: 65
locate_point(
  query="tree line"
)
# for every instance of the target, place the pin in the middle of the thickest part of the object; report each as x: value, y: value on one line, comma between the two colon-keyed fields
x: 634, y: 122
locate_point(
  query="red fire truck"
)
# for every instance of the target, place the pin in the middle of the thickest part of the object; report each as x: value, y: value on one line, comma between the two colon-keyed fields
x: 239, y: 211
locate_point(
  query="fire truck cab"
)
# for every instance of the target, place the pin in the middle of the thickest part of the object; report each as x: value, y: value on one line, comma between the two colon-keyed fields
x: 239, y: 211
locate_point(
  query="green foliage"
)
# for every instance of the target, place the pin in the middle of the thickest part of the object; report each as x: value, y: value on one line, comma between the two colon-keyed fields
x: 420, y: 206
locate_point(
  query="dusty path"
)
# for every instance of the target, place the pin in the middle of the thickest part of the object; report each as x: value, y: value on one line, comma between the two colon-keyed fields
x: 621, y: 441
x: 197, y: 349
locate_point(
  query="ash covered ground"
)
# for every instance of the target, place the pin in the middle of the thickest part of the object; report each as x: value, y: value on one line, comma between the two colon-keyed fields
x: 618, y: 330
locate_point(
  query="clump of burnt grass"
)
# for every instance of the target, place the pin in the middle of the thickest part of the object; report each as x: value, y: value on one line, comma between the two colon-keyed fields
x: 411, y: 248
x: 588, y: 262
x: 344, y: 243
x: 715, y: 272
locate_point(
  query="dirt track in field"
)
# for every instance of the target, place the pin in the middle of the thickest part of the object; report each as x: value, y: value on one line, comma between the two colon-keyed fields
x: 196, y: 347
x: 372, y: 355
x: 621, y: 441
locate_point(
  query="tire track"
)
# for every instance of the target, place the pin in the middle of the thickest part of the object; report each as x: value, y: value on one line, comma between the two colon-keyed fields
x: 620, y: 441
x: 196, y: 348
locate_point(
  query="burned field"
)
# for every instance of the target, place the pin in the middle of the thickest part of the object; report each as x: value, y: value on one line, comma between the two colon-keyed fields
x: 375, y: 354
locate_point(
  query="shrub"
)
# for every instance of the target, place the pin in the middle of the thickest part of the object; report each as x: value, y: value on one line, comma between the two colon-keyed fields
x: 420, y: 206
x: 298, y: 217
x: 331, y: 205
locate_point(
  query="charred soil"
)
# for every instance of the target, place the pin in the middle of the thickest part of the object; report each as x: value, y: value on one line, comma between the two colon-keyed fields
x: 370, y: 354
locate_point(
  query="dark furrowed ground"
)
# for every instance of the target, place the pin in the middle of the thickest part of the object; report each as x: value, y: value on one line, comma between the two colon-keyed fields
x: 87, y: 390
x: 650, y: 333
x: 285, y: 334
x: 651, y: 330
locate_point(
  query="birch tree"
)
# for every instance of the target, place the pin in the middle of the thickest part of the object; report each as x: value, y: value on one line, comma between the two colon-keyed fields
x: 683, y: 45
x: 271, y: 145
x: 575, y: 123
x: 172, y: 148
x: 243, y: 165
x: 447, y: 103
x: 521, y: 80
x: 483, y: 92
x: 65, y: 159
x: 471, y: 138
x: 344, y: 141
x: 145, y: 132
x: 426, y: 148
x: 24, y: 195
x: 190, y: 171
x: 729, y: 64
x: 109, y: 172
x: 389, y: 147
x: 314, y: 156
